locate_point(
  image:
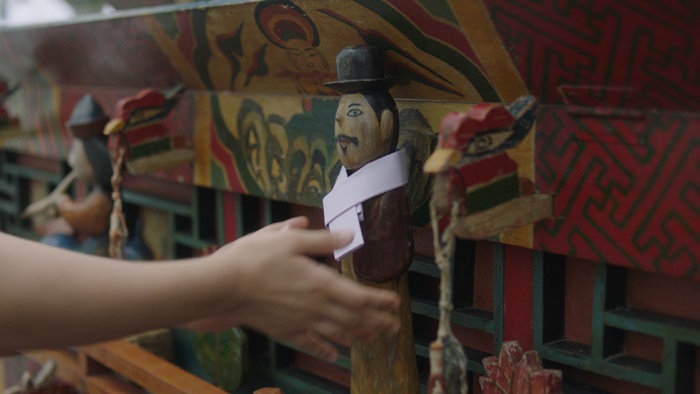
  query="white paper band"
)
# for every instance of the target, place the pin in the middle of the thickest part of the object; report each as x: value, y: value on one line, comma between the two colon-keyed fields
x: 342, y: 207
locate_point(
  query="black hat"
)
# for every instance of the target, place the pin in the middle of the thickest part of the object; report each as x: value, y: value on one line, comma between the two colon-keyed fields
x: 87, y: 119
x: 360, y: 69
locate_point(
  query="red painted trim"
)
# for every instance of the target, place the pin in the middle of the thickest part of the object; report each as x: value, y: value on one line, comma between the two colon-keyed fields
x: 487, y: 170
x: 225, y: 158
x: 179, y: 141
x: 517, y: 315
x: 185, y: 40
x: 146, y: 133
x: 40, y: 163
x: 229, y: 208
x: 33, y: 102
x: 159, y: 188
x: 146, y: 98
x: 63, y: 115
x: 442, y: 31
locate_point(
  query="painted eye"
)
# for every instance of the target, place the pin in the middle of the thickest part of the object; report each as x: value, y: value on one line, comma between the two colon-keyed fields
x: 354, y: 113
x: 252, y: 139
x: 483, y: 143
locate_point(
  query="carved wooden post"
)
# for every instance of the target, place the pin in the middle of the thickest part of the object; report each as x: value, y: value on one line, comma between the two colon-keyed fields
x: 366, y: 132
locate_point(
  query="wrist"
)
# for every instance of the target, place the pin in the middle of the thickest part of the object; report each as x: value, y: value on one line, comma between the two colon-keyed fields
x: 225, y: 277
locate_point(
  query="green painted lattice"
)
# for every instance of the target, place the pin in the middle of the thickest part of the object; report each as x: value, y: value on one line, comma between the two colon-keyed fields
x: 611, y: 318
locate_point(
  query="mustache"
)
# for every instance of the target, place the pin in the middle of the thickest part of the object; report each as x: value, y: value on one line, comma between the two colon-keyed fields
x: 347, y: 139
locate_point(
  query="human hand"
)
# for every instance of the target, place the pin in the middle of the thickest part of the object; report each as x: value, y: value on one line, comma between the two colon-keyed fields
x: 287, y: 295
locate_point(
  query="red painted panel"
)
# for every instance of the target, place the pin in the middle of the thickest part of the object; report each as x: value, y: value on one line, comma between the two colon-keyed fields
x: 634, y: 206
x: 230, y: 218
x: 650, y: 46
x: 483, y: 276
x: 578, y: 309
x: 517, y: 324
x: 659, y: 294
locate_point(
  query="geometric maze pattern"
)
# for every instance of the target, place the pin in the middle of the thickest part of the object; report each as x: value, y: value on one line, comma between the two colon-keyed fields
x: 627, y: 188
x: 648, y: 45
x: 636, y: 205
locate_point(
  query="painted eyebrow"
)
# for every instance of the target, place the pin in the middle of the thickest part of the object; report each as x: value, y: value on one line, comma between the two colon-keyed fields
x: 354, y: 105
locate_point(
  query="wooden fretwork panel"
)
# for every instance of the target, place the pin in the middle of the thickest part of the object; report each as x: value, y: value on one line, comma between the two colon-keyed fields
x: 617, y: 329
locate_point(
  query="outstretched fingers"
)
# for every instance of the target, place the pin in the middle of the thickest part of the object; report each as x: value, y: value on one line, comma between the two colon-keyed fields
x: 352, y: 311
x: 314, y: 343
x: 316, y: 242
x: 344, y: 324
x: 344, y: 328
x: 301, y: 241
x: 318, y: 304
x: 358, y: 297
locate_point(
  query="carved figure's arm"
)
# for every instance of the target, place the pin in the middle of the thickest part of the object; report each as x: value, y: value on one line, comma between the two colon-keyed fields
x: 90, y: 215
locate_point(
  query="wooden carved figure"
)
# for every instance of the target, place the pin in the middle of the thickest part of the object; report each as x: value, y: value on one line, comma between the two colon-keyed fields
x: 90, y: 162
x: 473, y: 170
x: 138, y: 126
x: 477, y: 194
x: 448, y: 363
x: 516, y: 371
x: 369, y: 196
x: 143, y: 144
x: 83, y: 223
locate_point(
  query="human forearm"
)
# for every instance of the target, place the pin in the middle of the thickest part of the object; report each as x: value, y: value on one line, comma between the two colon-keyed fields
x: 266, y: 280
x: 82, y: 299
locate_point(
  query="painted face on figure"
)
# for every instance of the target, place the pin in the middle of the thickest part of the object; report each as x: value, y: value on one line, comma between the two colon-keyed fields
x: 359, y: 136
x: 305, y: 58
x: 307, y: 167
x: 311, y: 65
x: 78, y: 161
x: 275, y: 149
x: 254, y: 147
x: 314, y: 184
